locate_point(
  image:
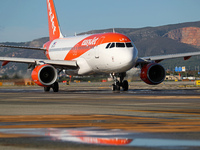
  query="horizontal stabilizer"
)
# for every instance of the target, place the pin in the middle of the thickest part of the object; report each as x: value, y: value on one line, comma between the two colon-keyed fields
x: 23, y: 47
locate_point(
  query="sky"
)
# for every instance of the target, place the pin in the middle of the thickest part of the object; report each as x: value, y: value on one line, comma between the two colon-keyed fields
x: 26, y: 20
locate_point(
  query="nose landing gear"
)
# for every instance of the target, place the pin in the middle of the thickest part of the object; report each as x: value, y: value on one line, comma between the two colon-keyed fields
x: 119, y: 83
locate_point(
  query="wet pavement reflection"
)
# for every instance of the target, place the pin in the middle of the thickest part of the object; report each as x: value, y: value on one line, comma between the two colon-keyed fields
x: 88, y: 117
x: 102, y: 137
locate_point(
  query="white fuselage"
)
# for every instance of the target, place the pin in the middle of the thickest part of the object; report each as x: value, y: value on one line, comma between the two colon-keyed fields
x: 98, y: 59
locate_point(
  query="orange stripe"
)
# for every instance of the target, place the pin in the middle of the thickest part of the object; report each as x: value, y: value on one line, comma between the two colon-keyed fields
x: 94, y: 40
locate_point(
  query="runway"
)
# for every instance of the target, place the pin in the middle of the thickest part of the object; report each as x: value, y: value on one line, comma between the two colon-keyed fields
x: 91, y: 116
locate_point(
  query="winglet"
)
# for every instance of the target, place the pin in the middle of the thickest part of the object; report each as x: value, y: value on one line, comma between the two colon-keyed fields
x: 54, y: 29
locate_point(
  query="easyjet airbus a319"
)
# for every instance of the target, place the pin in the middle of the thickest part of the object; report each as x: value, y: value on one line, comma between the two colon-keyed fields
x: 111, y: 53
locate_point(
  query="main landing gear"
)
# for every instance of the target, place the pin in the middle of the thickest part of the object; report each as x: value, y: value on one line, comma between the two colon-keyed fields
x: 119, y: 83
x: 54, y: 86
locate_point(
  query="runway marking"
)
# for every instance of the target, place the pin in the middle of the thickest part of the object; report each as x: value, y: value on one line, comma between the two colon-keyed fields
x: 3, y: 135
x: 161, y: 103
x: 110, y: 96
x: 189, y: 112
x: 157, y: 97
x: 136, y: 124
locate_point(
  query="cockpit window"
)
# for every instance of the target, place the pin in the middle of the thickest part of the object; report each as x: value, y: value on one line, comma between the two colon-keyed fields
x: 129, y: 45
x: 108, y: 45
x: 112, y: 45
x: 120, y: 45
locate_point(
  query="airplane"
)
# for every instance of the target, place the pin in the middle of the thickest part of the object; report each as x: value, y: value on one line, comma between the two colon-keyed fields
x: 111, y: 53
x: 89, y: 136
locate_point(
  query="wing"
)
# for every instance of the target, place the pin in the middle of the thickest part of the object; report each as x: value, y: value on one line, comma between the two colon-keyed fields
x: 23, y: 47
x: 160, y: 58
x: 56, y: 63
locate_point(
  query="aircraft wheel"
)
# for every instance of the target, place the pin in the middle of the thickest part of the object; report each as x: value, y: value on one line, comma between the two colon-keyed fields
x: 125, y: 85
x: 47, y: 89
x: 117, y: 87
x: 55, y: 87
x: 113, y: 87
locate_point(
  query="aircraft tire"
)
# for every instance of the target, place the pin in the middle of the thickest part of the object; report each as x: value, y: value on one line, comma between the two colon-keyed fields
x: 55, y: 87
x: 116, y: 87
x: 47, y: 89
x: 125, y: 85
x: 113, y: 87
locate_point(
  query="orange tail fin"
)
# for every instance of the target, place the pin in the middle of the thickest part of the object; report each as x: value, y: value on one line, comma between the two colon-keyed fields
x: 54, y: 29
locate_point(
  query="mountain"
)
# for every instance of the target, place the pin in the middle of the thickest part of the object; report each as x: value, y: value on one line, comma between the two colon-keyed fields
x: 21, y: 69
x: 168, y: 39
x: 154, y: 40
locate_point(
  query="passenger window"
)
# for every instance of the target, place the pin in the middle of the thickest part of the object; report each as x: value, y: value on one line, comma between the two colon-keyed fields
x: 129, y: 45
x: 112, y: 45
x: 108, y: 45
x: 120, y: 45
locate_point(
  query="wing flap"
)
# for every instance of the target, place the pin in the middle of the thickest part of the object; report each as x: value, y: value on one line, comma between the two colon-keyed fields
x: 159, y: 58
x: 57, y: 63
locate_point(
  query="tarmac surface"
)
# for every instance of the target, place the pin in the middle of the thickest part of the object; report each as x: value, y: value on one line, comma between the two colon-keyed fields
x: 91, y: 116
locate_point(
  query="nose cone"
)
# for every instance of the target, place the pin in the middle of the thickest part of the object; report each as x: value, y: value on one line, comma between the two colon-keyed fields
x: 121, y: 55
x: 123, y: 59
x: 128, y: 59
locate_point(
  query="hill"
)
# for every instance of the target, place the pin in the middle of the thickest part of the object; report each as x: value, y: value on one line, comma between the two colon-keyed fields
x: 154, y: 40
x: 13, y: 68
x: 168, y: 39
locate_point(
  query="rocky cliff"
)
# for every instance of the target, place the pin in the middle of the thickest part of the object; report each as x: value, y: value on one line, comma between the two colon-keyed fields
x: 188, y: 35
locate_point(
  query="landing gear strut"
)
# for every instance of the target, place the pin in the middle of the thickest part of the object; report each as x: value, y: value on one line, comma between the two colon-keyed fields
x: 54, y: 86
x: 119, y: 83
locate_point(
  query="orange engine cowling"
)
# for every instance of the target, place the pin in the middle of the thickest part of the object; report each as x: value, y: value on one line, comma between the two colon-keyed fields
x: 152, y: 73
x: 44, y: 75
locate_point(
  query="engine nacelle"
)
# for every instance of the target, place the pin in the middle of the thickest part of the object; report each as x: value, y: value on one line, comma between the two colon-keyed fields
x: 152, y: 73
x: 44, y: 75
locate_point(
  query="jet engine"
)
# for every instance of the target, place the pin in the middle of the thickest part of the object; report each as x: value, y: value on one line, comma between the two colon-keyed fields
x: 152, y: 73
x: 44, y: 75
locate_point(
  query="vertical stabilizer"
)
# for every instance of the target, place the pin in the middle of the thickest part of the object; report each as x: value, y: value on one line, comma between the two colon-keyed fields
x: 54, y: 29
